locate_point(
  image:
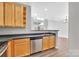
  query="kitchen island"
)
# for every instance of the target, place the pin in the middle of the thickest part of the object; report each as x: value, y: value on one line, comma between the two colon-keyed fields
x: 23, y: 44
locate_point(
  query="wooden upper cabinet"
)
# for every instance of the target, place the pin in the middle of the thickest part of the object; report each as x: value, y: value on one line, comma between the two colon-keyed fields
x: 9, y: 14
x: 1, y: 14
x: 12, y: 15
x: 20, y: 15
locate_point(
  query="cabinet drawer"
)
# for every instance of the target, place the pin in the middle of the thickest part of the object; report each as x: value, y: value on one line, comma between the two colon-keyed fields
x: 17, y: 41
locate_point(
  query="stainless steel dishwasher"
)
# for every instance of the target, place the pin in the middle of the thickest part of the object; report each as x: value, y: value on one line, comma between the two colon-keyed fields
x: 36, y: 44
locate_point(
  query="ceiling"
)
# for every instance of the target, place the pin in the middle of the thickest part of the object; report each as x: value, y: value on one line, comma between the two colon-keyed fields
x: 49, y: 10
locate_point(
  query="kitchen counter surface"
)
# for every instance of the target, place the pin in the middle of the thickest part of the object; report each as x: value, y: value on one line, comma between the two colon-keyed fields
x: 10, y: 37
x: 7, y: 37
x: 28, y: 33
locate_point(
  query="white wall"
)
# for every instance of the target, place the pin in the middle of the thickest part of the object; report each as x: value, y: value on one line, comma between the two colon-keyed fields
x: 57, y: 11
x: 59, y: 25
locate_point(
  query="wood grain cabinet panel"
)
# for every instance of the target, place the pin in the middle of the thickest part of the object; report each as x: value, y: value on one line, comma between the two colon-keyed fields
x: 10, y: 49
x: 12, y: 15
x: 49, y: 42
x: 52, y: 41
x: 20, y: 15
x: 18, y: 48
x: 45, y: 43
x: 9, y: 15
x: 22, y: 48
x: 1, y: 14
x: 28, y: 44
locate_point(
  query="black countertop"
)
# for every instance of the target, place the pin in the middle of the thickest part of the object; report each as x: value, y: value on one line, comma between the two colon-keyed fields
x: 27, y: 35
x: 21, y: 34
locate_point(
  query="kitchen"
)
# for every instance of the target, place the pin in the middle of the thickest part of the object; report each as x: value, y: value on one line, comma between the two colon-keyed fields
x: 26, y: 30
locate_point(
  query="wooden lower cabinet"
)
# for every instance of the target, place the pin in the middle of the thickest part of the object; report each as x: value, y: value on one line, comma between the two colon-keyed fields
x: 45, y: 43
x: 48, y: 42
x: 10, y: 49
x: 19, y: 47
x: 22, y: 47
x: 52, y: 41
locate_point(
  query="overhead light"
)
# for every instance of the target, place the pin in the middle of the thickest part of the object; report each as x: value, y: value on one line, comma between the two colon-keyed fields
x: 45, y: 9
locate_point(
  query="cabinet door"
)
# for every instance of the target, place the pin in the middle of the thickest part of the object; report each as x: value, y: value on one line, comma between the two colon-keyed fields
x: 22, y: 49
x: 1, y: 14
x: 10, y: 49
x: 45, y: 43
x: 28, y: 49
x: 9, y: 14
x: 52, y: 41
x: 18, y: 15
